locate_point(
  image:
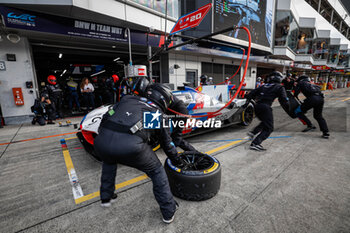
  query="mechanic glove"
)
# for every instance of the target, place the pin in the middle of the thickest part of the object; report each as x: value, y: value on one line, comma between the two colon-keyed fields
x: 177, y: 161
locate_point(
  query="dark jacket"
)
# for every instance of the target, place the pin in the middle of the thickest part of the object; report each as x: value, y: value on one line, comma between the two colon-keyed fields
x: 267, y: 93
x: 308, y: 89
x: 53, y: 91
x: 126, y: 114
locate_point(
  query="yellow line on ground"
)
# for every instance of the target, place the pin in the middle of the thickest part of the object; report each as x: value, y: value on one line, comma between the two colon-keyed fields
x: 346, y: 99
x: 134, y: 180
x: 70, y: 138
x: 223, y: 147
x: 117, y: 186
x: 68, y: 160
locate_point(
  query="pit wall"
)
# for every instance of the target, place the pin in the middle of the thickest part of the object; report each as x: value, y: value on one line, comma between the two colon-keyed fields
x: 17, y: 73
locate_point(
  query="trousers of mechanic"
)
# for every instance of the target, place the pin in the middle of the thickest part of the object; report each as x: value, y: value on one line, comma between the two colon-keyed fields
x: 118, y: 143
x: 176, y: 135
x: 314, y: 99
x: 264, y: 96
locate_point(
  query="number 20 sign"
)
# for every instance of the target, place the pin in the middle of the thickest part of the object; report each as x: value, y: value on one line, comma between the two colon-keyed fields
x: 191, y: 20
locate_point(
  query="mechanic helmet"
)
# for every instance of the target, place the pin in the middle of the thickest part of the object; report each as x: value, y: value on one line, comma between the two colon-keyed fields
x: 203, y: 77
x: 275, y: 77
x: 227, y: 78
x: 140, y: 86
x: 52, y: 79
x: 160, y: 95
x: 115, y: 78
x: 258, y: 79
x: 303, y: 78
x: 210, y: 78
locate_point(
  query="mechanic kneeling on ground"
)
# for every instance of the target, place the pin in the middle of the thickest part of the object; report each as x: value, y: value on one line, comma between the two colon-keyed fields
x: 314, y: 99
x: 265, y: 95
x: 123, y: 140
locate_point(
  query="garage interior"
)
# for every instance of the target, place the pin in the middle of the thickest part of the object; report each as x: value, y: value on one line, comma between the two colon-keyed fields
x: 82, y: 58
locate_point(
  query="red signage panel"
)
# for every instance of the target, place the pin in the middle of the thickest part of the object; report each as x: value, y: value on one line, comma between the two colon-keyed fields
x: 191, y: 20
x: 321, y: 68
x: 18, y: 95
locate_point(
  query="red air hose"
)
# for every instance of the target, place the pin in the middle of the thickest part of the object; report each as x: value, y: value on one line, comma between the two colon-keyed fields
x: 212, y: 114
x: 238, y: 69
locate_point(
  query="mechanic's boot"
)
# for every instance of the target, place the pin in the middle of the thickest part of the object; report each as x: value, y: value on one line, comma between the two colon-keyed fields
x: 256, y: 147
x: 171, y: 219
x: 309, y: 128
x: 108, y: 203
x: 325, y: 135
x: 34, y: 121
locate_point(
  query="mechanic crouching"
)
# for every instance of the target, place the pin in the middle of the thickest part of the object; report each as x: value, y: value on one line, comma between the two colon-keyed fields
x: 123, y: 140
x: 314, y: 99
x: 265, y: 95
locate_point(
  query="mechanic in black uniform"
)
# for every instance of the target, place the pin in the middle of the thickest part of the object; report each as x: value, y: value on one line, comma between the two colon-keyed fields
x: 108, y: 90
x: 123, y: 140
x: 288, y: 82
x: 314, y: 99
x: 177, y: 105
x: 265, y: 95
x: 97, y: 83
x: 54, y: 92
x: 43, y: 110
x: 204, y: 80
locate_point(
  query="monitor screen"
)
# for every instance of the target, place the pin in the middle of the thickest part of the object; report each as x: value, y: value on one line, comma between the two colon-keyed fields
x: 256, y: 15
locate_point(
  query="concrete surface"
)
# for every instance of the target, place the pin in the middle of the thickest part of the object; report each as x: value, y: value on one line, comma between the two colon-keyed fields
x: 301, y: 184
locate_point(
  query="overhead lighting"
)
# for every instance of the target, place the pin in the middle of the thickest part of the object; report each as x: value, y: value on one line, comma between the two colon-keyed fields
x: 60, y: 55
x: 114, y: 46
x: 102, y: 71
x: 63, y: 73
x: 116, y: 59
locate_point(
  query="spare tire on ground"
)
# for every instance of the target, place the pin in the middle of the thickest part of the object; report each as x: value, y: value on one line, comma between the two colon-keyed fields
x: 199, y: 179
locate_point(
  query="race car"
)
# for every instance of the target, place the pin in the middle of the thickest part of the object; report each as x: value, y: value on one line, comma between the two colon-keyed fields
x: 199, y: 105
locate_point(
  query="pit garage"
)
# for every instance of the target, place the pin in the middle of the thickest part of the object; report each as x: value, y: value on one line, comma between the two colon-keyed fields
x: 94, y: 60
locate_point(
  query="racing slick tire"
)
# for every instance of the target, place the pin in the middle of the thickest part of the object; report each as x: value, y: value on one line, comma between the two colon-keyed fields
x: 294, y: 103
x: 198, y: 180
x: 247, y: 115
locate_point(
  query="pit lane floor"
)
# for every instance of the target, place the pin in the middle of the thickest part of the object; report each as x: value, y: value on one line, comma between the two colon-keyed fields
x: 301, y: 184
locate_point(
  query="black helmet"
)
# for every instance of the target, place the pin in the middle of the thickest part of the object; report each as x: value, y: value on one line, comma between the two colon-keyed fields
x: 204, y: 77
x: 140, y: 86
x: 275, y: 77
x: 160, y: 95
x: 303, y: 78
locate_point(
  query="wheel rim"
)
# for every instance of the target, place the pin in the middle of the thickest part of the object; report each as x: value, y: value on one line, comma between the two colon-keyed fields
x: 248, y: 115
x: 195, y: 162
